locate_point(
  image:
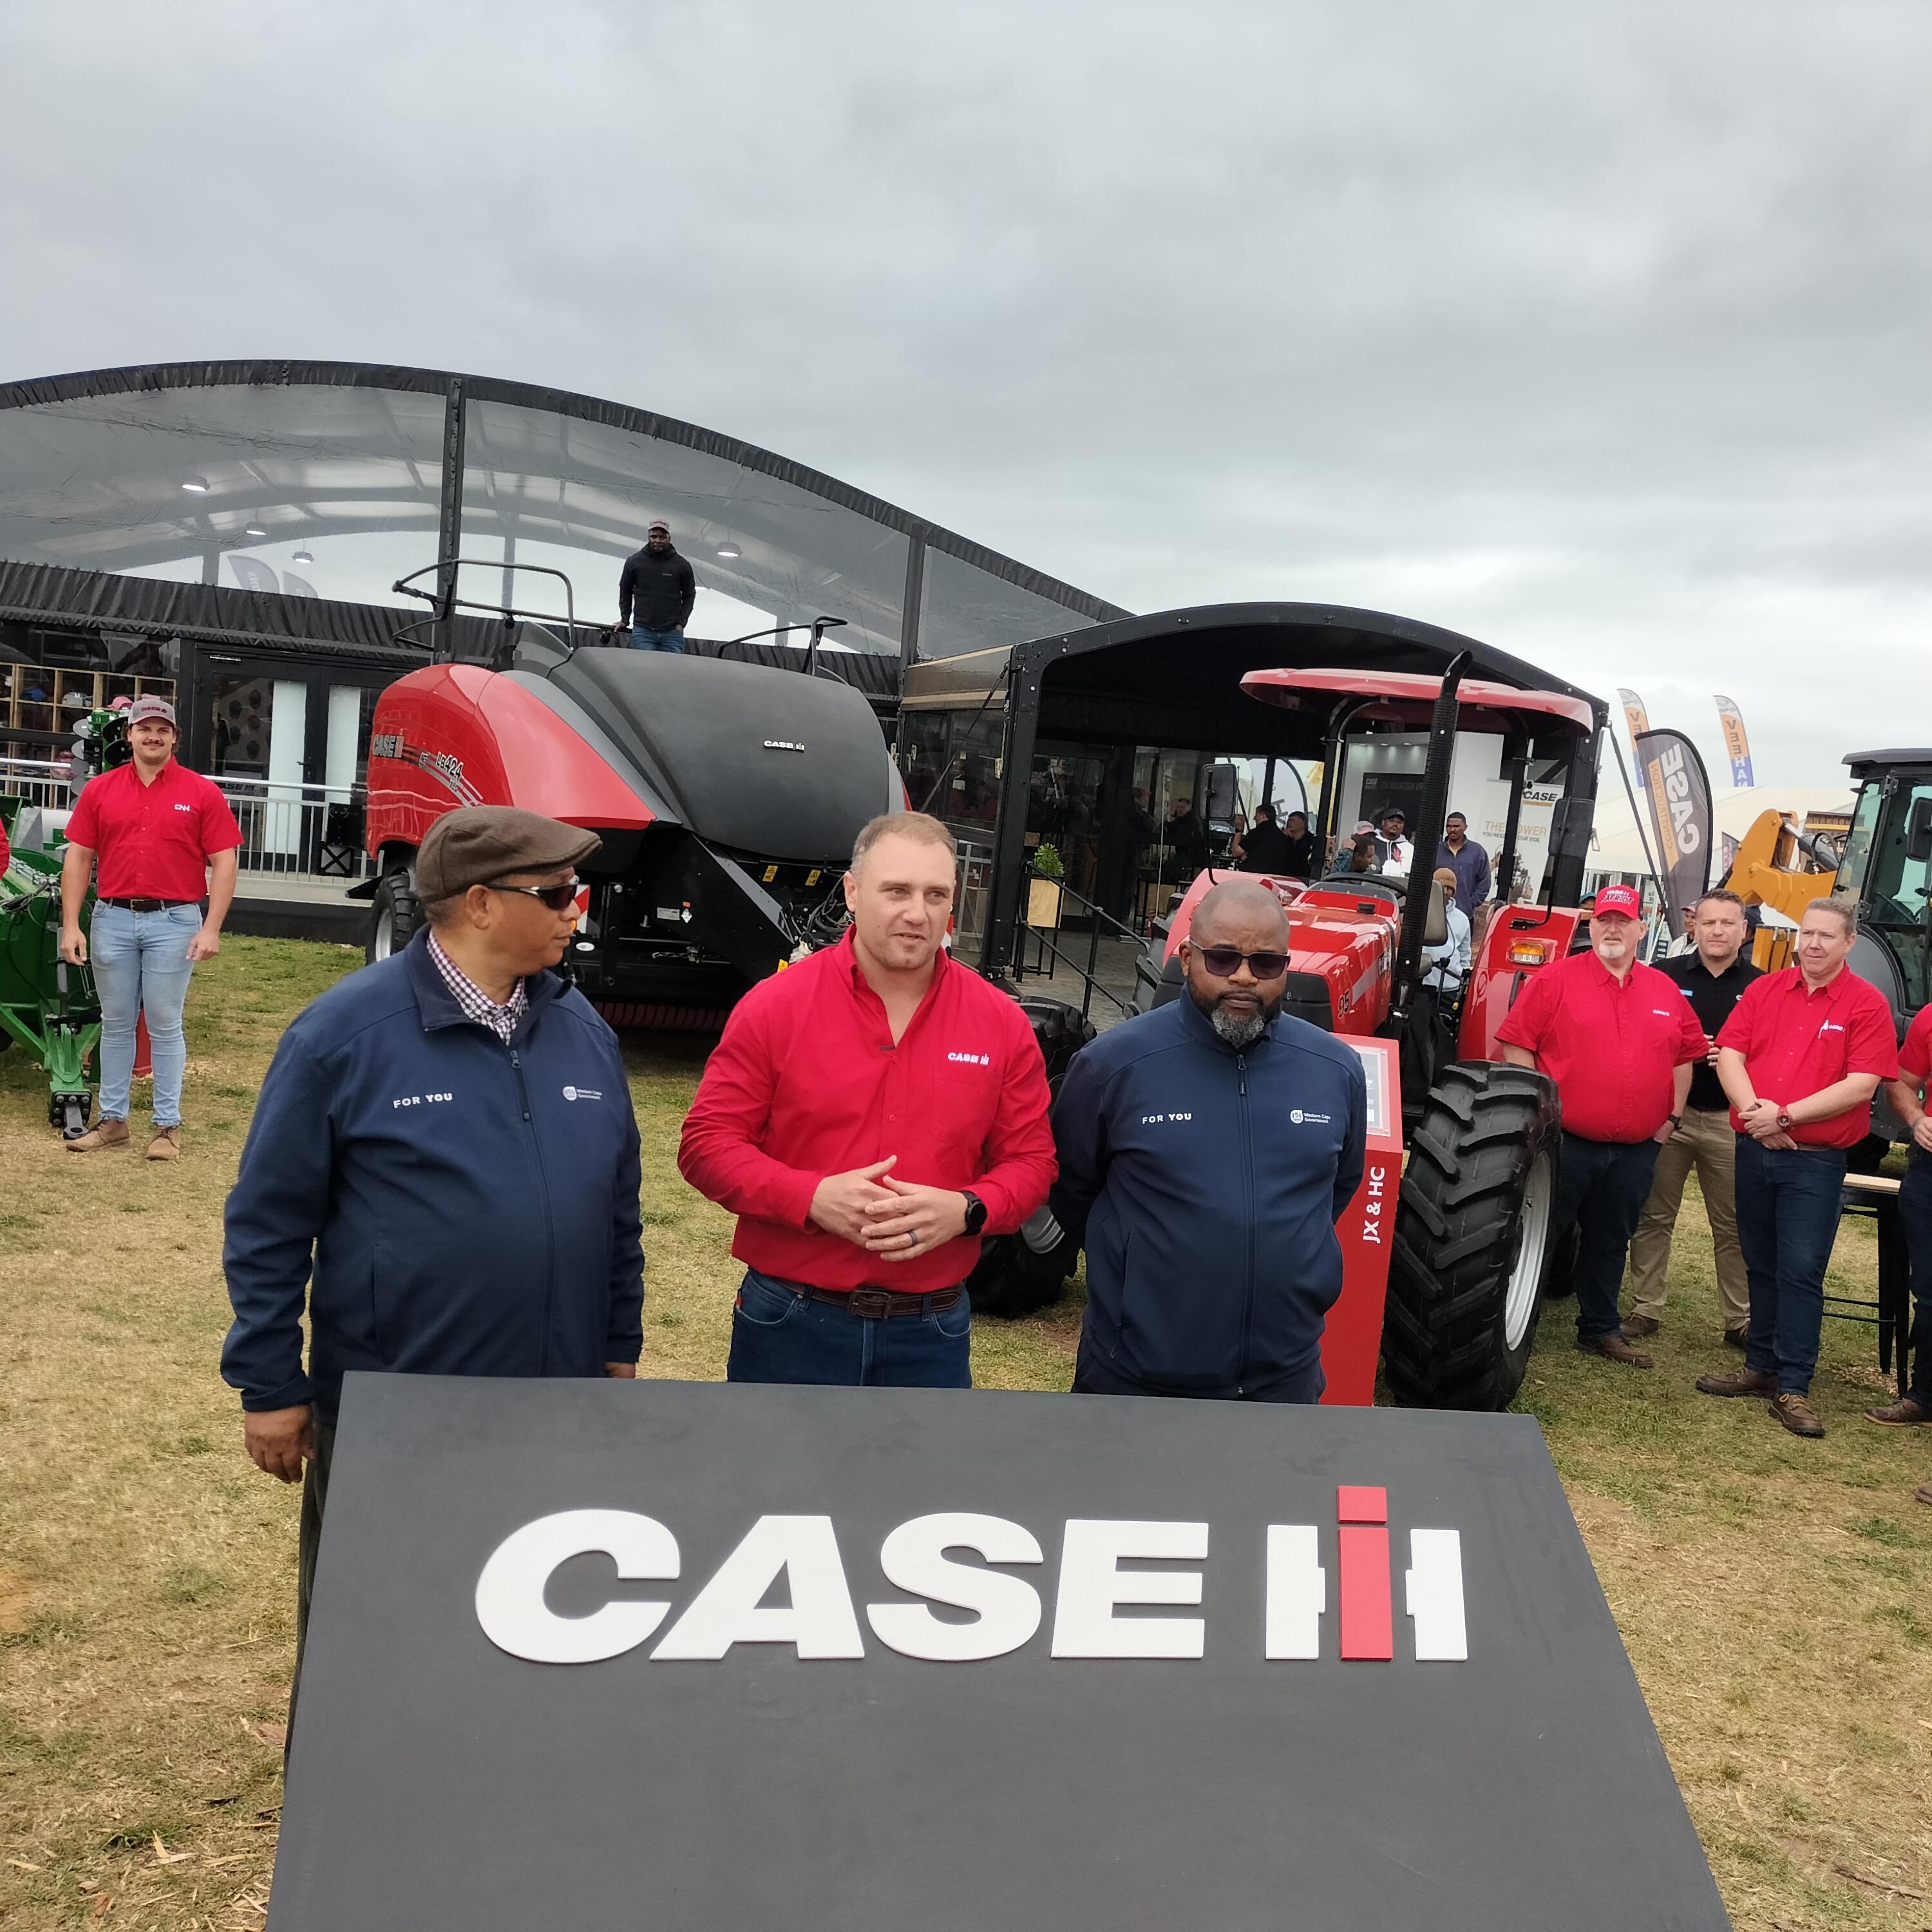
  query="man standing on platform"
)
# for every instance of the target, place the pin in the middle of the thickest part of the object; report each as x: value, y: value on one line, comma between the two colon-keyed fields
x: 1207, y: 1150
x: 165, y: 837
x: 655, y: 591
x: 870, y: 1113
x: 1907, y: 1097
x: 1713, y: 980
x: 1619, y: 1040
x: 1800, y: 1056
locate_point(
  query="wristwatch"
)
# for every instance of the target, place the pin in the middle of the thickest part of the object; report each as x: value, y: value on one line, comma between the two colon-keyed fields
x: 1675, y: 1119
x: 1784, y: 1120
x: 976, y: 1210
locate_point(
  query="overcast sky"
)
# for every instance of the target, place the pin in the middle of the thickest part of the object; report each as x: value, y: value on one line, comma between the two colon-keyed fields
x: 1597, y: 331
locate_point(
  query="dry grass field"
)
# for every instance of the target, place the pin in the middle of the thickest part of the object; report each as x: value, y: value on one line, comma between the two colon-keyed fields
x: 1773, y: 1593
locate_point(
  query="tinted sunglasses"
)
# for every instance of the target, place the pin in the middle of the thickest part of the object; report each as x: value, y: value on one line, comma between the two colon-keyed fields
x: 1225, y: 962
x: 559, y: 899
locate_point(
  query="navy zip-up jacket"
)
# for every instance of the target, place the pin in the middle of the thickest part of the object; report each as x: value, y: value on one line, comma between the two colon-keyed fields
x: 465, y: 1207
x: 1205, y: 1182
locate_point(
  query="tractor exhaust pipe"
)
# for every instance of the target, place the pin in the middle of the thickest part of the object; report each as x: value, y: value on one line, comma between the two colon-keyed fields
x: 1428, y: 841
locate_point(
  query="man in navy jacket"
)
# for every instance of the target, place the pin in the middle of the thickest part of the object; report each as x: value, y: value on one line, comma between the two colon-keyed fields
x: 1207, y: 1150
x: 445, y: 1157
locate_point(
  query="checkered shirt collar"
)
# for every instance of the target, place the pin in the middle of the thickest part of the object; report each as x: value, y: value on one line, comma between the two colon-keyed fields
x: 477, y: 1005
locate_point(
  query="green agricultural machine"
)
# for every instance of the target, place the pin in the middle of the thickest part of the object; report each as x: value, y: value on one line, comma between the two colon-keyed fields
x: 46, y: 1006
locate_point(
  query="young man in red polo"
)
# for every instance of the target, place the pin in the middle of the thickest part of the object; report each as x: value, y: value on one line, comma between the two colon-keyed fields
x: 869, y: 1114
x: 1800, y: 1056
x: 165, y: 837
x: 1620, y: 1041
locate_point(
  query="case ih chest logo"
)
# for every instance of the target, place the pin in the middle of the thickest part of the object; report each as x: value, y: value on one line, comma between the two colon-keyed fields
x: 972, y: 1059
x: 796, y: 1560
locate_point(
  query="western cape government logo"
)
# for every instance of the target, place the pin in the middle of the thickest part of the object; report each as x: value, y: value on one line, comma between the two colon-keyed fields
x: 799, y: 1558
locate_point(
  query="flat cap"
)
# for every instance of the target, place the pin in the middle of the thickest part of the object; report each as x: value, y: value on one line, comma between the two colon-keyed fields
x: 479, y: 845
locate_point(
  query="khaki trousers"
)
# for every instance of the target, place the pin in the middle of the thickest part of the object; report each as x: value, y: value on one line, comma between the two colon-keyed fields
x: 1705, y: 1141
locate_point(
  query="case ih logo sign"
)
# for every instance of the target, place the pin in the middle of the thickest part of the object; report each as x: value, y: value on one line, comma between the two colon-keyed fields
x: 446, y: 769
x: 797, y: 1558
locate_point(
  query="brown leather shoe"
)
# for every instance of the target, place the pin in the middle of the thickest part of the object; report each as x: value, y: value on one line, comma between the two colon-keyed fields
x: 1797, y: 1414
x: 1737, y: 1338
x: 1615, y: 1349
x: 1903, y: 1413
x: 104, y: 1133
x: 1746, y: 1382
x: 1636, y: 1327
x: 166, y: 1145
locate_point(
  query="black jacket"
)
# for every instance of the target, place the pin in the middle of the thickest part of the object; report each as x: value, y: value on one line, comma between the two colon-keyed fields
x: 1205, y: 1184
x: 464, y: 1206
x: 656, y: 591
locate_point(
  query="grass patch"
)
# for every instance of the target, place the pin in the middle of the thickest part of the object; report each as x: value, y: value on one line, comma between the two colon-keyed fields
x: 1775, y: 1595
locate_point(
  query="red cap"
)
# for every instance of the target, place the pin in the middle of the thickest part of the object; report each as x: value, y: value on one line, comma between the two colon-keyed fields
x: 1623, y: 899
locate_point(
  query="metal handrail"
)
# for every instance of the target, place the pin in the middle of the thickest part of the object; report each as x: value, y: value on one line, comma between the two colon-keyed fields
x: 1089, y: 975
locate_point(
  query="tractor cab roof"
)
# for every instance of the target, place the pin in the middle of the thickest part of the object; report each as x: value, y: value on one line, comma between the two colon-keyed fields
x: 1868, y: 764
x: 1406, y: 699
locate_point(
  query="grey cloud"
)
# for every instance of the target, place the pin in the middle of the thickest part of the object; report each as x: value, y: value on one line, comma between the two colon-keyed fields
x: 1595, y: 330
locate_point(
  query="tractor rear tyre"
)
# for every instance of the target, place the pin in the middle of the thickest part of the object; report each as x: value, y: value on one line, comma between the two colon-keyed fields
x: 1011, y: 1280
x: 1472, y: 1238
x: 396, y: 914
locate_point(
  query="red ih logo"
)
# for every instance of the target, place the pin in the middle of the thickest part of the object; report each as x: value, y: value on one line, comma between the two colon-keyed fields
x: 1297, y: 1592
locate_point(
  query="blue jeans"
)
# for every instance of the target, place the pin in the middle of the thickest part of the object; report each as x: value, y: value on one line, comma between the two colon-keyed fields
x: 780, y: 1336
x: 1788, y: 1203
x: 1914, y: 1211
x: 1092, y: 1376
x: 140, y: 962
x: 642, y: 640
x: 1601, y: 1192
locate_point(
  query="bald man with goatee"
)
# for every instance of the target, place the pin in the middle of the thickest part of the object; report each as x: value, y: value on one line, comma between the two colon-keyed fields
x: 1207, y: 1150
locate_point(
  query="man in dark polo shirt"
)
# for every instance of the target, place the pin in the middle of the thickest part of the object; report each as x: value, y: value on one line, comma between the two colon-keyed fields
x: 1619, y: 1040
x: 1800, y: 1056
x: 1907, y: 1094
x: 1713, y: 979
x: 165, y: 837
x: 868, y: 1115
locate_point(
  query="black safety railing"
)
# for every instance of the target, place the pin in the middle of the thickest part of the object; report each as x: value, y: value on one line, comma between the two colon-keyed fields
x: 1099, y: 920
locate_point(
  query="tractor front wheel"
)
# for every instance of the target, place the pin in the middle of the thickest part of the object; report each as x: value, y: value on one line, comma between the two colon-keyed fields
x: 1472, y: 1238
x: 398, y: 913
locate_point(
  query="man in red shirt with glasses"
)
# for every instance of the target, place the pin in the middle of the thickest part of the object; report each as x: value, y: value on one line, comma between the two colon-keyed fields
x: 1620, y: 1041
x: 869, y: 1113
x: 1800, y: 1057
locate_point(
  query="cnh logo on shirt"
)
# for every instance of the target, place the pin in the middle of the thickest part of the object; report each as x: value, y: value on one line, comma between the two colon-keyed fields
x: 817, y: 1618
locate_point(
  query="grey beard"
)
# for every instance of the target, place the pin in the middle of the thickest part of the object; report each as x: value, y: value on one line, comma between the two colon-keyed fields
x: 1238, y: 1033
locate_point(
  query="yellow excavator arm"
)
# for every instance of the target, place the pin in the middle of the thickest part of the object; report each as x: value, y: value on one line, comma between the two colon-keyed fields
x: 1770, y: 869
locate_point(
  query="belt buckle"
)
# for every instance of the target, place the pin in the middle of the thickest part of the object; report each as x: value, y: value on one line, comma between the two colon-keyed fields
x: 871, y: 1304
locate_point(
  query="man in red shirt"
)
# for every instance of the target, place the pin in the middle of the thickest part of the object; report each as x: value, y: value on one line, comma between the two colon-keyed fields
x: 1800, y: 1056
x: 869, y: 1114
x: 1907, y: 1097
x: 159, y: 829
x: 1620, y: 1041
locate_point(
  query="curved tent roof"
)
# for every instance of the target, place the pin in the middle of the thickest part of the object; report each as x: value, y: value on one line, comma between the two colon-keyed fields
x: 335, y: 479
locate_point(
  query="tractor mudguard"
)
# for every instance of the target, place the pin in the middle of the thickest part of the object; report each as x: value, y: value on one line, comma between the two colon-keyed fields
x: 1518, y: 941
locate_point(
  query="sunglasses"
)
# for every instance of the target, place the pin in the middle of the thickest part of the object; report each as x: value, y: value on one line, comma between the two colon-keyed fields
x: 1225, y: 962
x: 559, y: 899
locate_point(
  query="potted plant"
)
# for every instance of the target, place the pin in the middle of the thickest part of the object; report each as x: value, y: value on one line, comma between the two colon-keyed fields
x: 1043, y: 888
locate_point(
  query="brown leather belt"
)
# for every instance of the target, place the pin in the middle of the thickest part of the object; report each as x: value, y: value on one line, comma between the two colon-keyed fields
x: 874, y: 1304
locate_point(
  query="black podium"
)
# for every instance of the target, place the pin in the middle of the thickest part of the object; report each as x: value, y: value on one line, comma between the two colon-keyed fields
x: 673, y: 1655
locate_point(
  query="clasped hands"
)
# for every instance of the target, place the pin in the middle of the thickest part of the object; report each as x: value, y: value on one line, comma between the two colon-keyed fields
x: 1760, y: 1120
x: 868, y: 1207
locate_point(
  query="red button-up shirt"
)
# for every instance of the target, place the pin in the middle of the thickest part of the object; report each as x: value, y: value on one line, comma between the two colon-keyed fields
x: 154, y: 840
x: 1914, y: 1056
x: 806, y: 1082
x: 1796, y: 1042
x: 1611, y: 1045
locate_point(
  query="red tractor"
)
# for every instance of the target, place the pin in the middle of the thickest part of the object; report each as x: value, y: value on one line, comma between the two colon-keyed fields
x: 1472, y: 1257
